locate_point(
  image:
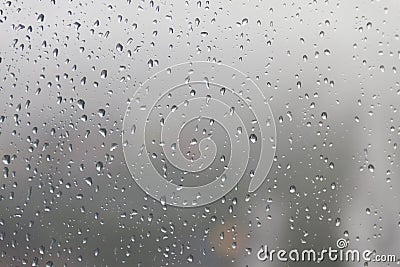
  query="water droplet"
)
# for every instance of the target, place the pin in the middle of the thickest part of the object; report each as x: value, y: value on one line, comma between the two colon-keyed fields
x: 292, y: 189
x: 189, y: 258
x: 103, y: 74
x: 253, y: 138
x: 89, y: 181
x: 119, y: 47
x: 103, y: 132
x: 6, y: 159
x: 333, y: 186
x: 40, y: 18
x: 371, y: 168
x: 81, y: 104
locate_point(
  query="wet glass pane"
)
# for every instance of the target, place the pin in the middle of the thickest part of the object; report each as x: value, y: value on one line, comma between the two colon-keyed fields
x: 199, y: 133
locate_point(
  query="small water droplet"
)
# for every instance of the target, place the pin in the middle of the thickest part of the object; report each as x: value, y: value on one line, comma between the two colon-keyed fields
x: 119, y: 47
x: 81, y: 104
x: 6, y: 159
x: 371, y: 168
x: 189, y: 258
x: 292, y: 189
x: 89, y: 181
x: 40, y: 18
x: 103, y: 74
x: 253, y: 138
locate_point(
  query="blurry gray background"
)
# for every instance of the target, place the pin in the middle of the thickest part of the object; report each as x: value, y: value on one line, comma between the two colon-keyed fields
x: 69, y: 68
